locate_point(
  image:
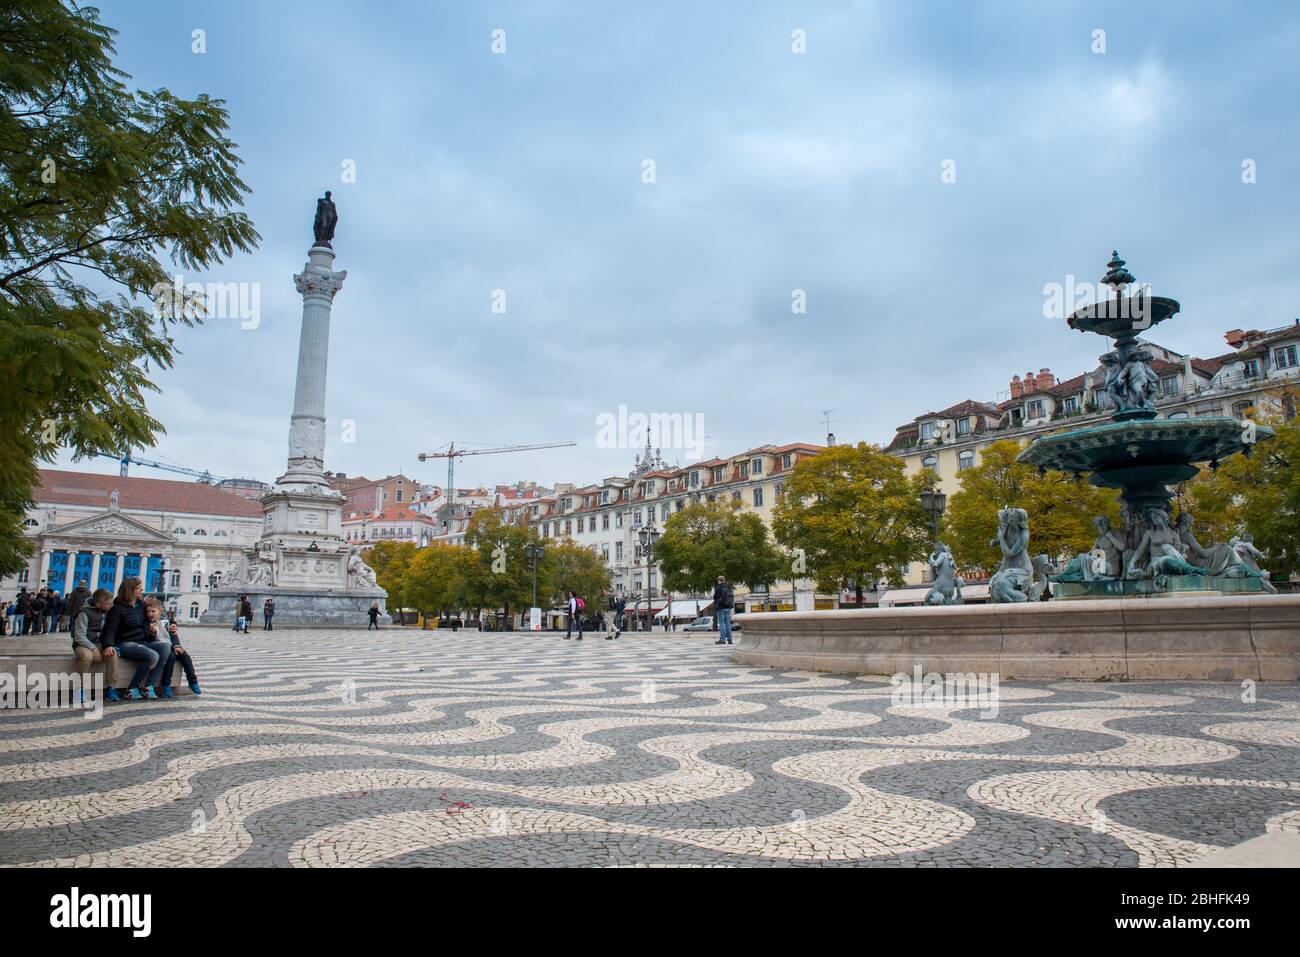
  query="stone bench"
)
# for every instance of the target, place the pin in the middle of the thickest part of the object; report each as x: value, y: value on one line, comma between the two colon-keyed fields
x: 51, y: 655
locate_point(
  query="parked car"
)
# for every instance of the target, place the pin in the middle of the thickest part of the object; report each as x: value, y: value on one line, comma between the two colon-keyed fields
x: 705, y: 623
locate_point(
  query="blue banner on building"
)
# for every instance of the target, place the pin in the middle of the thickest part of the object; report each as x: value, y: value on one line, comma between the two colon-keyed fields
x: 85, y: 565
x: 107, y: 570
x: 58, y: 571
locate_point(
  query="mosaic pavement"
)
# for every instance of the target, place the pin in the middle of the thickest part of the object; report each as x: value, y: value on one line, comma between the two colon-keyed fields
x: 402, y: 749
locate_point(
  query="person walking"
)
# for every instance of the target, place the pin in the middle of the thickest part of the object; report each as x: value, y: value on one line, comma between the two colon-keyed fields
x: 268, y: 612
x: 245, y: 612
x: 126, y: 632
x: 86, y: 645
x: 373, y: 613
x: 724, y: 600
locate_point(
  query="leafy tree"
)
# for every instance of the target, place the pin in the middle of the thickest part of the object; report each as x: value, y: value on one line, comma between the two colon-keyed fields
x: 856, y: 515
x: 1259, y: 493
x: 568, y: 566
x: 437, y: 577
x: 99, y: 187
x: 500, y: 576
x: 708, y: 539
x: 391, y: 562
x: 1060, y: 508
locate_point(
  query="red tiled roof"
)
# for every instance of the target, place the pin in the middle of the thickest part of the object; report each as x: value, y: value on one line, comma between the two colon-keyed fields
x: 144, y: 494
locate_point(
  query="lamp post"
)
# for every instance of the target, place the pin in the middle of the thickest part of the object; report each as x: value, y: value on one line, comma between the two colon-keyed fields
x: 534, y: 552
x: 649, y: 535
x: 934, y: 503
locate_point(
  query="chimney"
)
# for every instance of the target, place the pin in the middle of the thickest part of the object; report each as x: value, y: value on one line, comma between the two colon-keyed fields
x: 1017, y: 390
x: 1031, y: 383
x: 1045, y: 379
x: 830, y: 439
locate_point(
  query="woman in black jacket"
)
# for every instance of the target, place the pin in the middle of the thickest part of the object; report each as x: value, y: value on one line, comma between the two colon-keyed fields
x: 126, y: 632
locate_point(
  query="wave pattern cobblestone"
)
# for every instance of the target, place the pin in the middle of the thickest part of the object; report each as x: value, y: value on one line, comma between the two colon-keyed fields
x: 327, y: 748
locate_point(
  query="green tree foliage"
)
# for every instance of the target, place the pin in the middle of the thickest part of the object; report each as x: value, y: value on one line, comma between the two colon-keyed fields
x: 708, y: 539
x: 1060, y: 508
x: 500, y: 577
x: 437, y: 578
x: 856, y: 515
x: 100, y: 187
x: 391, y: 562
x: 567, y: 567
x: 1259, y: 494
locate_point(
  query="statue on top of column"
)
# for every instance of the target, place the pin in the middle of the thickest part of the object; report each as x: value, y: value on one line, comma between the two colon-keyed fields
x: 327, y: 217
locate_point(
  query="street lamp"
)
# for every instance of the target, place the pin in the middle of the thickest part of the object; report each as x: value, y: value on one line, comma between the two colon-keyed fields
x: 934, y: 503
x: 649, y: 535
x: 534, y: 552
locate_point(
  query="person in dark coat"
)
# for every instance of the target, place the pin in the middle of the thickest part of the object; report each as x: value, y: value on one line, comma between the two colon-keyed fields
x: 76, y: 599
x: 246, y: 612
x: 268, y: 613
x: 374, y: 617
x: 126, y: 632
x: 724, y: 602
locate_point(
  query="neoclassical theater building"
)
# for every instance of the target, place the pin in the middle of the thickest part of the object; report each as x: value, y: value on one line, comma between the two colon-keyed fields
x: 175, y: 536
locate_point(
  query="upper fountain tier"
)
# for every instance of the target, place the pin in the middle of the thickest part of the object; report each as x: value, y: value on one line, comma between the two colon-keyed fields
x: 1122, y: 317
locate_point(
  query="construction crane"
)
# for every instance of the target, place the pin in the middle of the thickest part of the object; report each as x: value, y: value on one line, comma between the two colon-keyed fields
x: 451, y: 454
x: 205, y: 477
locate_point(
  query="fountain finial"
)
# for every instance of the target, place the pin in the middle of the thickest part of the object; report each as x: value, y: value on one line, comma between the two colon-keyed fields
x: 1117, y: 277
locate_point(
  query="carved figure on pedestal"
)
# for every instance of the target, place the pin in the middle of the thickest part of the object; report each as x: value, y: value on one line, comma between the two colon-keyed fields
x: 327, y: 218
x: 1104, y: 562
x: 946, y: 589
x: 1244, y: 546
x: 1221, y: 560
x: 360, y: 575
x: 1163, y: 551
x: 1136, y: 382
x: 1014, y: 579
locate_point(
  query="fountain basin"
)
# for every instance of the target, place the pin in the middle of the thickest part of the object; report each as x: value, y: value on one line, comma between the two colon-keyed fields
x: 1214, y: 638
x: 1168, y: 445
x: 1123, y: 318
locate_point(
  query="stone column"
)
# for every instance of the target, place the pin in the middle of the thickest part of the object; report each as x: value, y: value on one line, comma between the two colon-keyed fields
x: 70, y: 576
x: 44, y: 577
x: 318, y: 283
x: 118, y: 571
x: 96, y: 559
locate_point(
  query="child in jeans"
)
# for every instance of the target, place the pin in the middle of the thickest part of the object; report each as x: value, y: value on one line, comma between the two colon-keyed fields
x: 160, y: 627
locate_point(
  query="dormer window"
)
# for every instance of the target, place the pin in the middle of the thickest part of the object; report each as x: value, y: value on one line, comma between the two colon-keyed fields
x: 963, y: 426
x: 717, y: 475
x: 929, y: 431
x: 1034, y: 409
x: 756, y: 467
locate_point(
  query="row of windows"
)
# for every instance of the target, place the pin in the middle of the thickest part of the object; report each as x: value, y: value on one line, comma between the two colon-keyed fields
x: 587, y: 523
x: 690, y: 480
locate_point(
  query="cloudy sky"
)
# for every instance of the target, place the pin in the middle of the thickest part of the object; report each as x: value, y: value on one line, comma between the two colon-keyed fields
x: 773, y: 171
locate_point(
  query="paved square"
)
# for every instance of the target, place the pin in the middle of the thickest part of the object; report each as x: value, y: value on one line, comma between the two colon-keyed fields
x: 399, y: 748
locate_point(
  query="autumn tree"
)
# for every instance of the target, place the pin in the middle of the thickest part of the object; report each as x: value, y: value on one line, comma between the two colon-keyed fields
x: 391, y: 562
x: 436, y: 580
x: 708, y: 539
x: 500, y: 576
x: 101, y: 187
x: 1060, y: 508
x: 568, y: 566
x: 856, y: 515
x: 1259, y: 493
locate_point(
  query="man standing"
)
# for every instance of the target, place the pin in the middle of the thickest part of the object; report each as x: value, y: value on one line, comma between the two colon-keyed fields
x: 76, y: 598
x: 36, y: 613
x: 724, y: 600
x: 575, y: 615
x: 268, y: 612
x: 22, y: 611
